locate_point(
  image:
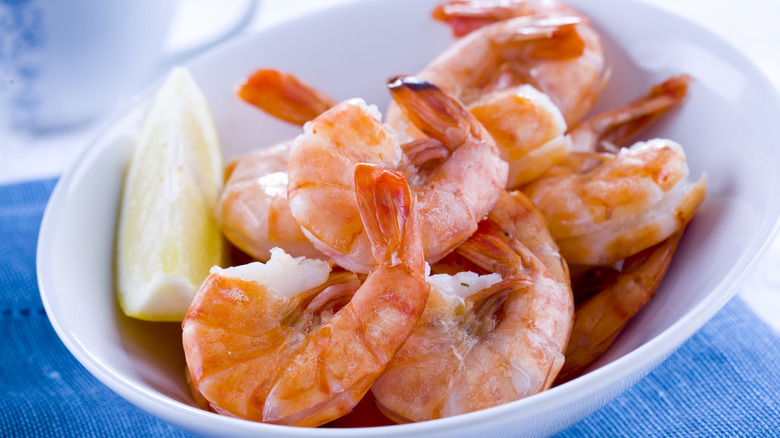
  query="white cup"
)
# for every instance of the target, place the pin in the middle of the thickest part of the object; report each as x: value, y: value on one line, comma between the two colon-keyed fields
x: 63, y: 62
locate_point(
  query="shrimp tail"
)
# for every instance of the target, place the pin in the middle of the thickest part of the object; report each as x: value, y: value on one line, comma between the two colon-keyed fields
x: 284, y: 96
x: 464, y: 16
x: 492, y: 248
x: 615, y: 128
x: 433, y: 111
x: 546, y: 32
x: 387, y: 207
x: 554, y: 38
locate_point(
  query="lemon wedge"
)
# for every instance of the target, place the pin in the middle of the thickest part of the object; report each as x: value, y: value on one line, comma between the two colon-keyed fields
x: 167, y: 236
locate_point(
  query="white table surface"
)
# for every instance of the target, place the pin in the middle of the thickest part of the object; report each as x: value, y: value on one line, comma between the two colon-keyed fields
x: 750, y: 25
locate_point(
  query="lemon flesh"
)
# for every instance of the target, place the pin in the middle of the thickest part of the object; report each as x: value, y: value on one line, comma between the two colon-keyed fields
x: 167, y: 236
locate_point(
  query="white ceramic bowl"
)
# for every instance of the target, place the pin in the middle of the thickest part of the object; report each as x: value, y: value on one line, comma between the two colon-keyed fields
x: 728, y: 128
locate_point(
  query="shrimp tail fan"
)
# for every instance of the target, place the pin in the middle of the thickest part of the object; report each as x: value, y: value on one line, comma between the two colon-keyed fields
x: 386, y: 207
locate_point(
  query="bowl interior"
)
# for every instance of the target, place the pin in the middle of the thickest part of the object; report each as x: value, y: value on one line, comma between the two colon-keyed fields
x: 350, y: 51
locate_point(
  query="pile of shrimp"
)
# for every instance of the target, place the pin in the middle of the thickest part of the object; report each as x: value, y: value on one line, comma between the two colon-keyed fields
x: 485, y: 240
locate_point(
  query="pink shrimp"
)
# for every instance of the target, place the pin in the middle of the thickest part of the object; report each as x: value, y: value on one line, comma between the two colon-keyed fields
x: 603, y: 208
x: 481, y: 341
x: 527, y: 71
x: 452, y: 196
x: 289, y: 343
x: 544, y: 43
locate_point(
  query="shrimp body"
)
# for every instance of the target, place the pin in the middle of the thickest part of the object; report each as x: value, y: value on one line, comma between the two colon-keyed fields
x: 253, y: 212
x: 528, y: 128
x: 452, y: 196
x: 601, y: 208
x: 289, y: 342
x: 499, y: 342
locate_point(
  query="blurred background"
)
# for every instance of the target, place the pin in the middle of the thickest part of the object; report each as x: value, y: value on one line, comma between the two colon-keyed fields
x: 196, y: 25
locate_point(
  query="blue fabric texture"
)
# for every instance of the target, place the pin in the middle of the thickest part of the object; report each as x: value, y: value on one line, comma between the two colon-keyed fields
x: 725, y: 381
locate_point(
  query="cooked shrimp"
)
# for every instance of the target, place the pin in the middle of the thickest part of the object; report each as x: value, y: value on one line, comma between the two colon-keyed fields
x: 289, y: 342
x: 253, y: 212
x: 599, y: 319
x: 452, y: 196
x: 482, y: 340
x: 613, y: 129
x: 602, y: 208
x: 544, y: 43
x: 528, y: 128
x: 537, y: 67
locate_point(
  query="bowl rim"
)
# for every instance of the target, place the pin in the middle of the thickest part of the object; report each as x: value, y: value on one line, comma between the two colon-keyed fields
x: 621, y: 368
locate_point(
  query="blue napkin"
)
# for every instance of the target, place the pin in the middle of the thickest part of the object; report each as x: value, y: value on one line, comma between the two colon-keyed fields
x: 725, y: 381
x: 44, y: 390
